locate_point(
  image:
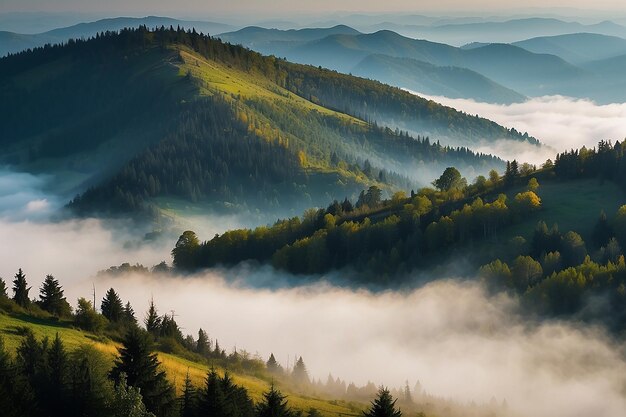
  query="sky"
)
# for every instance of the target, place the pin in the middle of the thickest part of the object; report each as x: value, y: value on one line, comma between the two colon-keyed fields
x: 286, y: 7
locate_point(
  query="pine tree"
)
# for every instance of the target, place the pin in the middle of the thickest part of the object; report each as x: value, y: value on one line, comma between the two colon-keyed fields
x: 188, y: 399
x: 152, y: 320
x: 272, y: 364
x: 383, y: 406
x: 129, y: 314
x: 273, y: 404
x: 51, y: 297
x: 300, y: 374
x: 20, y: 289
x: 3, y: 289
x: 408, y: 398
x: 57, y: 379
x: 203, y: 346
x: 213, y: 400
x: 140, y: 364
x: 237, y: 400
x: 112, y: 307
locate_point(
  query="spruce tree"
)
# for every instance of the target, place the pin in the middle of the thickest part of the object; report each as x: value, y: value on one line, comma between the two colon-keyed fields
x: 203, y: 345
x: 213, y: 400
x: 188, y: 399
x: 272, y: 364
x: 237, y: 401
x: 383, y: 406
x: 3, y: 289
x: 20, y: 289
x: 112, y: 307
x: 51, y: 297
x: 152, y: 320
x: 273, y: 404
x: 129, y: 314
x: 56, y: 387
x: 140, y: 364
x: 300, y: 374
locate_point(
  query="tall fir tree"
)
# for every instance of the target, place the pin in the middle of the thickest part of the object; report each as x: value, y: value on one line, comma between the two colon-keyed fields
x: 272, y: 364
x: 188, y: 399
x: 129, y: 314
x: 51, y: 297
x: 112, y: 307
x: 203, y: 345
x: 212, y: 399
x: 273, y: 404
x: 141, y: 366
x: 152, y: 320
x: 3, y: 289
x: 21, y: 289
x: 300, y: 374
x: 383, y: 405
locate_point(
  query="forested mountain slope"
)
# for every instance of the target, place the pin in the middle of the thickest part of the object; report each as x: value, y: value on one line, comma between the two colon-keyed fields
x: 169, y: 113
x: 553, y: 236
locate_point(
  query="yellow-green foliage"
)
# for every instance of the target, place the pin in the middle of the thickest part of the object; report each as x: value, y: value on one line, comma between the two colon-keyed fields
x: 175, y: 366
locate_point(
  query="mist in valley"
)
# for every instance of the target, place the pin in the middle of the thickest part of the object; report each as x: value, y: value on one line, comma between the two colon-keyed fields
x: 559, y: 123
x: 458, y: 341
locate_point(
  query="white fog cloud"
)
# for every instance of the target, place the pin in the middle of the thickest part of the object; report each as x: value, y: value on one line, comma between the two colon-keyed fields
x: 458, y: 341
x: 561, y: 123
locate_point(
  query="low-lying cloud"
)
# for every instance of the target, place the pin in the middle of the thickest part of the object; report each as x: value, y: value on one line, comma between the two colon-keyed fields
x: 458, y: 341
x: 561, y: 123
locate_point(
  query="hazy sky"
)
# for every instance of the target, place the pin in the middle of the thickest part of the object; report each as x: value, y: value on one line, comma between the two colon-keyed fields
x: 285, y: 7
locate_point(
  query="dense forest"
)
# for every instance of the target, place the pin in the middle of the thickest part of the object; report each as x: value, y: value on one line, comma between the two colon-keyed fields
x: 42, y: 376
x: 385, y: 240
x: 240, y: 129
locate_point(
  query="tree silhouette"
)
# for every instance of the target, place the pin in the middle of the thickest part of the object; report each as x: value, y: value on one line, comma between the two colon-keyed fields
x: 112, y: 307
x: 140, y: 364
x: 52, y: 299
x: 274, y: 404
x: 383, y: 406
x: 20, y: 289
x: 300, y: 374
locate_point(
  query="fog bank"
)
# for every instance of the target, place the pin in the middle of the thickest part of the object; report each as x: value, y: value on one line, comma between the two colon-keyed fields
x: 561, y: 123
x: 450, y: 335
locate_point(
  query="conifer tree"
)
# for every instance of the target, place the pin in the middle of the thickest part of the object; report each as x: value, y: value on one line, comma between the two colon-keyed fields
x: 3, y: 289
x: 273, y: 404
x: 112, y: 307
x: 272, y: 364
x: 300, y: 374
x: 383, y: 406
x: 20, y: 289
x: 56, y: 385
x: 129, y: 314
x: 188, y: 399
x: 203, y: 346
x: 213, y: 400
x: 152, y: 320
x: 51, y: 297
x: 140, y: 364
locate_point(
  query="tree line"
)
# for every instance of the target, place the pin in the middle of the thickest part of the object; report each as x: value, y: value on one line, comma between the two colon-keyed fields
x: 43, y: 377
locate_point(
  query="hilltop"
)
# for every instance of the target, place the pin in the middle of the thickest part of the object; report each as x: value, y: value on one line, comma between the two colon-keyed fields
x: 180, y: 115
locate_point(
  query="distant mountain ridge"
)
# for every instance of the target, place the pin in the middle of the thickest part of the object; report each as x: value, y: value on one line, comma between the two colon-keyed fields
x: 11, y: 42
x: 577, y: 48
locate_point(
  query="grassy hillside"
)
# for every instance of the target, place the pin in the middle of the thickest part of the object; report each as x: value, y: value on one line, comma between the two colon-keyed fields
x: 176, y: 367
x: 144, y: 115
